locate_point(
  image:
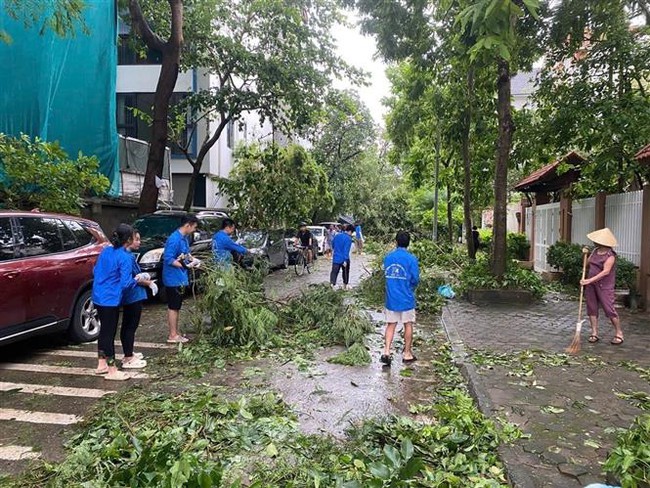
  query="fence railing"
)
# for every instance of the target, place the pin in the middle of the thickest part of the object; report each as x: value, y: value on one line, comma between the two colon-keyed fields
x: 623, y: 214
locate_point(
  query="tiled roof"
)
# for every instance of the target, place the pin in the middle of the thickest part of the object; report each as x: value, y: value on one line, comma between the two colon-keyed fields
x: 547, y: 174
x: 643, y: 155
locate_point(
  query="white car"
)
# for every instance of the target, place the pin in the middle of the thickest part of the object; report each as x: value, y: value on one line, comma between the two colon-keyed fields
x: 318, y: 232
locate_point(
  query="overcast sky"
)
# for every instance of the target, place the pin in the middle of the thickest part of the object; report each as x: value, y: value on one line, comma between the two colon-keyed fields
x: 360, y: 51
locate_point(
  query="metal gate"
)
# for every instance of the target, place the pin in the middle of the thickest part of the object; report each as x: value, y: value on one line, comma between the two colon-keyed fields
x: 547, y: 232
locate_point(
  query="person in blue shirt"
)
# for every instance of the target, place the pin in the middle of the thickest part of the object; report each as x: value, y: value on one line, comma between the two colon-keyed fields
x: 358, y: 235
x: 223, y: 245
x: 402, y: 273
x: 113, y: 278
x: 132, y: 309
x: 176, y: 260
x: 341, y: 245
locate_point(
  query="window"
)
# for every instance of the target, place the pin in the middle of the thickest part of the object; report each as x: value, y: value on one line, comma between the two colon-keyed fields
x: 126, y: 55
x: 6, y: 240
x: 130, y: 126
x: 82, y: 236
x: 40, y: 236
x: 69, y: 241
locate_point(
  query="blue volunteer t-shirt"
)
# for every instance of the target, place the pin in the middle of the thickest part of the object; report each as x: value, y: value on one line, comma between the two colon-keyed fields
x: 341, y: 245
x: 175, y: 246
x: 402, y: 273
x: 138, y: 293
x: 112, y: 277
x: 222, y: 245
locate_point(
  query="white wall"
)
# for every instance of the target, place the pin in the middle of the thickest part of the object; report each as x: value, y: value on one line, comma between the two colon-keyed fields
x: 144, y: 78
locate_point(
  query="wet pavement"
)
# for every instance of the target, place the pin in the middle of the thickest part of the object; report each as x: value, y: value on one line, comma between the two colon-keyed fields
x: 567, y: 405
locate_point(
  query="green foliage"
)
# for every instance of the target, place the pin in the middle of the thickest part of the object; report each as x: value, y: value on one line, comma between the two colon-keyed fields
x: 356, y: 355
x: 232, y: 309
x: 39, y: 174
x: 629, y: 462
x: 275, y: 186
x: 63, y: 17
x: 479, y: 276
x: 568, y: 259
x: 325, y: 310
x: 517, y: 244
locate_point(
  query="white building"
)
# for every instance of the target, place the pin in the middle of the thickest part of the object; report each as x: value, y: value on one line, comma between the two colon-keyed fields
x: 136, y: 84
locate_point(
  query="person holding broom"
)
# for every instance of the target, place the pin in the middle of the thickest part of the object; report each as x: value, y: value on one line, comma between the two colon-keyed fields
x: 599, y: 284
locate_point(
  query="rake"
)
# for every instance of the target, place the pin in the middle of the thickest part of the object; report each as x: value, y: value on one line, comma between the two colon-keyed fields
x: 574, y: 347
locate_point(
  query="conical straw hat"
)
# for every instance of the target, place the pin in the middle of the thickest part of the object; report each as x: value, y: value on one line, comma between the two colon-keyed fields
x: 604, y: 237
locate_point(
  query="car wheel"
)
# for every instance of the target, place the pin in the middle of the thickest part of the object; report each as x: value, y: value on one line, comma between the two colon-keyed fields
x: 84, y: 325
x: 285, y: 262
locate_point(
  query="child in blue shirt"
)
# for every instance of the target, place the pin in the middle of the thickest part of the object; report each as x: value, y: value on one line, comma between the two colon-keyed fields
x: 402, y: 273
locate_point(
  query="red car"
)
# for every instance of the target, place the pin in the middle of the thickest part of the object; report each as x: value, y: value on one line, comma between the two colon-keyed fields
x: 46, y: 272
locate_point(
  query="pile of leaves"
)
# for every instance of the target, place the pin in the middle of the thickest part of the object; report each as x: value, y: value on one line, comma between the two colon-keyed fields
x: 629, y: 462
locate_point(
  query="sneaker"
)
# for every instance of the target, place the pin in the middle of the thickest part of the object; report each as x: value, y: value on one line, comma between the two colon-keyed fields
x: 134, y: 364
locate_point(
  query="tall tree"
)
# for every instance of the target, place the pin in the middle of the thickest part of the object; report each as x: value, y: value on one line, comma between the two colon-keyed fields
x: 342, y: 143
x: 169, y: 42
x: 63, y: 17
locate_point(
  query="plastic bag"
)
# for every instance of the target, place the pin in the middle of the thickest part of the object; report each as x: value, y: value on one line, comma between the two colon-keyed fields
x: 446, y: 291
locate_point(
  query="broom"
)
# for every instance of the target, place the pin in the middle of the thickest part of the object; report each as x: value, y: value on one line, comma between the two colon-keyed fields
x: 574, y: 348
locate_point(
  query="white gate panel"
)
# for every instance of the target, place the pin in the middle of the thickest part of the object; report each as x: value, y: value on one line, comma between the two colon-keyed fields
x: 547, y: 232
x: 582, y: 220
x: 623, y: 215
x: 529, y: 224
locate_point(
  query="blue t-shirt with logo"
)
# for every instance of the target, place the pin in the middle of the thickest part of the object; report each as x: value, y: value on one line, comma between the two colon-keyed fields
x: 112, y: 277
x: 176, y: 245
x: 402, y: 273
x: 341, y: 245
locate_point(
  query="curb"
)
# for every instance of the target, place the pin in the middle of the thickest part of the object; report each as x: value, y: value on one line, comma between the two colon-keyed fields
x: 519, y: 477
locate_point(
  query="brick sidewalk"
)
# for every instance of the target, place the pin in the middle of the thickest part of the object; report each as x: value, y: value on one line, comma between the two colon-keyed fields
x: 565, y: 408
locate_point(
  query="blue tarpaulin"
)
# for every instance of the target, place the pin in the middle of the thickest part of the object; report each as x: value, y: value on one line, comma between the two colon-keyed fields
x: 63, y: 88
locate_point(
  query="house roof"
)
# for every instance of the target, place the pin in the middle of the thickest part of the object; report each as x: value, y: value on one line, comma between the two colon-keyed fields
x: 643, y: 156
x: 546, y: 179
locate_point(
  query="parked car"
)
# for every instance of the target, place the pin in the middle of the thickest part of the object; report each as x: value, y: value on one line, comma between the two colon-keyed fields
x: 269, y: 245
x: 318, y: 232
x: 46, y: 273
x: 154, y: 230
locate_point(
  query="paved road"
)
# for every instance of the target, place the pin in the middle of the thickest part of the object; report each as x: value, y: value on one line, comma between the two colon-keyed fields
x: 48, y: 385
x: 566, y: 407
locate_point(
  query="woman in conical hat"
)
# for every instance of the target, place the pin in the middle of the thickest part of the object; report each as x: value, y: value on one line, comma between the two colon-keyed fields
x: 599, y: 284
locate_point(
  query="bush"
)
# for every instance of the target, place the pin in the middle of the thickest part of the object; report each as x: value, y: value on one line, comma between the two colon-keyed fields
x: 39, y: 174
x: 517, y: 243
x: 567, y: 258
x: 479, y: 276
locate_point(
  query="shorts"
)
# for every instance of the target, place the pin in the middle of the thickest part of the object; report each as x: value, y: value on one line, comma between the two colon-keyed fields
x: 408, y: 316
x: 175, y: 297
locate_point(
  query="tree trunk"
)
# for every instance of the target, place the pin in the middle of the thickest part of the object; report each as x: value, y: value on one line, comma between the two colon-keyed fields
x: 450, y: 220
x: 198, y: 163
x: 191, y: 188
x: 504, y: 143
x: 467, y: 166
x: 171, y: 54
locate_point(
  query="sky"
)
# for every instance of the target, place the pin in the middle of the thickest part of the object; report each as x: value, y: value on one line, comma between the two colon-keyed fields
x: 360, y: 51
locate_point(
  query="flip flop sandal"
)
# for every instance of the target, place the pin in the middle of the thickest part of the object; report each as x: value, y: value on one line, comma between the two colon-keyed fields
x: 134, y: 364
x: 593, y: 338
x: 386, y: 359
x: 117, y: 376
x: 409, y: 361
x: 178, y: 339
x: 617, y: 341
x: 101, y: 371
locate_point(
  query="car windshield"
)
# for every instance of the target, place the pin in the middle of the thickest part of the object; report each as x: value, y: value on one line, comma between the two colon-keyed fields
x: 316, y: 231
x: 252, y: 238
x: 157, y: 226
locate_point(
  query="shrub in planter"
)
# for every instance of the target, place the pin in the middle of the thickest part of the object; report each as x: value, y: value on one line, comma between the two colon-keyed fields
x: 625, y: 274
x: 566, y: 257
x: 478, y: 276
x: 516, y: 243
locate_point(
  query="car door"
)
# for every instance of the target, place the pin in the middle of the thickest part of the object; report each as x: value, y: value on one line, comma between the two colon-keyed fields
x: 12, y: 279
x: 41, y: 248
